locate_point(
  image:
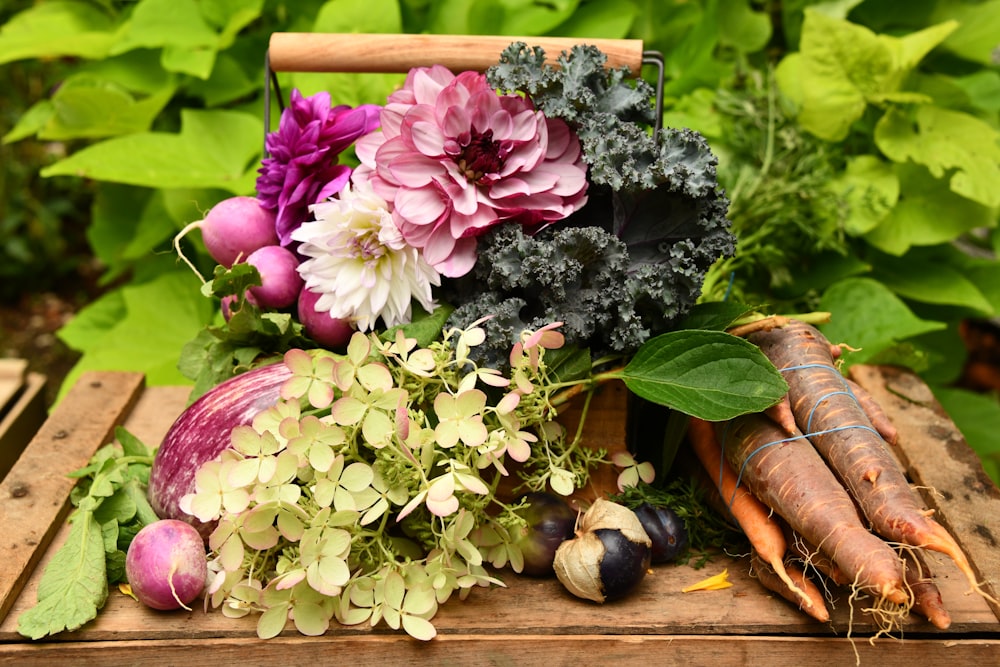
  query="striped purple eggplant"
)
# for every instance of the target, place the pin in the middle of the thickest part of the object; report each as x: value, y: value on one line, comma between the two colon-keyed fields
x: 202, y: 431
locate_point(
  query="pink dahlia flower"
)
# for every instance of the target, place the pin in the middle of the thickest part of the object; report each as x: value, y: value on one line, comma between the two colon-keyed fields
x: 302, y: 168
x: 454, y: 158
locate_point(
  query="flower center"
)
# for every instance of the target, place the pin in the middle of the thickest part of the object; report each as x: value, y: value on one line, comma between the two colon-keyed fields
x: 481, y: 156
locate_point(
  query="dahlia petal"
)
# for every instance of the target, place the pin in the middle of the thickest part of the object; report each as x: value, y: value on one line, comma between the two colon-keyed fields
x: 419, y: 206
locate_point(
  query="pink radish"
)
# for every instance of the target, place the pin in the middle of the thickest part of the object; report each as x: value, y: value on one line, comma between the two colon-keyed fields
x: 166, y: 565
x: 279, y: 276
x: 233, y: 229
x: 330, y: 332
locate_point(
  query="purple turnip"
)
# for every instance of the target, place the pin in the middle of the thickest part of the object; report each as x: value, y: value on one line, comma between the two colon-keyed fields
x: 202, y: 431
x: 330, y: 332
x: 166, y: 565
x: 279, y: 276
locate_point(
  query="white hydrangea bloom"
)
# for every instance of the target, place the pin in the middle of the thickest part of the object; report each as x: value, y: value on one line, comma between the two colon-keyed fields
x: 359, y: 263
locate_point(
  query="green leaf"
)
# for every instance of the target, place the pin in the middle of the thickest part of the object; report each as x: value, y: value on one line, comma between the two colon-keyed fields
x: 842, y: 67
x: 128, y: 224
x: 214, y: 149
x: 74, y: 585
x: 86, y: 106
x: 715, y: 315
x: 865, y: 314
x: 534, y: 17
x: 159, y: 317
x: 57, y: 29
x: 946, y: 142
x: 979, y: 24
x: 166, y: 23
x: 119, y: 507
x: 870, y: 187
x: 742, y: 27
x: 706, y: 374
x: 30, y: 122
x: 599, y: 18
x: 931, y: 281
x: 928, y: 213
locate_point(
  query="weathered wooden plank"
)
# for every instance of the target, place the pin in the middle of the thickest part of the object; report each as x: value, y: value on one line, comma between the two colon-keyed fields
x: 34, y: 494
x: 942, y: 466
x: 511, y: 649
x: 13, y: 373
x: 21, y: 419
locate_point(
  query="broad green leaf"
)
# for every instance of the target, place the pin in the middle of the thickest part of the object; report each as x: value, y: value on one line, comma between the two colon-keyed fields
x: 866, y: 315
x: 946, y: 142
x: 74, y: 584
x: 228, y: 82
x: 89, y: 107
x: 137, y: 71
x: 230, y: 17
x: 600, y: 18
x: 931, y: 282
x: 353, y: 16
x: 842, y: 67
x: 715, y: 315
x: 159, y: 317
x: 928, y: 213
x: 534, y: 17
x: 979, y: 24
x: 871, y: 188
x: 56, y: 29
x: 706, y: 374
x: 197, y: 61
x: 982, y: 88
x: 742, y: 27
x: 162, y: 23
x: 30, y: 122
x: 93, y: 321
x: 214, y: 149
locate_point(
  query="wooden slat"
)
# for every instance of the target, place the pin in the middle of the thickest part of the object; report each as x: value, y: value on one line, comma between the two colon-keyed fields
x: 35, y: 492
x: 942, y: 466
x: 505, y: 648
x: 13, y: 373
x: 21, y: 420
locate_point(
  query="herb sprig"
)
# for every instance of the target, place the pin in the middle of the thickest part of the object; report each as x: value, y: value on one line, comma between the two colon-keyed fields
x: 111, y: 507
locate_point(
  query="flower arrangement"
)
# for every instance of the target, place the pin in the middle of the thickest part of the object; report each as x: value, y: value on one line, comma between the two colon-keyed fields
x: 505, y: 242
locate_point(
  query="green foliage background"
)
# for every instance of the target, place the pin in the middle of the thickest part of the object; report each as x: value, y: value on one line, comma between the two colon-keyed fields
x: 859, y: 144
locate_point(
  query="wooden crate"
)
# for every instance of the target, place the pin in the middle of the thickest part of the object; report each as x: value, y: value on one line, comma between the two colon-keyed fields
x: 22, y: 409
x: 531, y: 621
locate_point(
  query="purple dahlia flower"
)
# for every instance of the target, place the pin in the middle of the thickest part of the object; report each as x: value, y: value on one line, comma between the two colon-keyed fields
x: 301, y: 168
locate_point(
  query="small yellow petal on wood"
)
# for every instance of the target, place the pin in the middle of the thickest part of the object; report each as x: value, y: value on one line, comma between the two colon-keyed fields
x: 126, y: 589
x: 713, y: 583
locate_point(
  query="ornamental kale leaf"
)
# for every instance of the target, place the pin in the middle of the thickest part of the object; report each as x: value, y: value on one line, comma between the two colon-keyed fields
x: 629, y: 264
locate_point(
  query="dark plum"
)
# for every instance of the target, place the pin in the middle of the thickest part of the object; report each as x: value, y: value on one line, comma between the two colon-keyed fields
x: 550, y: 522
x: 666, y: 531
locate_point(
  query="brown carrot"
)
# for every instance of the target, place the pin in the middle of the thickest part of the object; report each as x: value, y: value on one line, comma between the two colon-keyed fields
x: 876, y: 415
x: 769, y: 578
x: 754, y: 518
x: 926, y: 596
x: 813, y: 557
x: 828, y: 412
x: 788, y: 475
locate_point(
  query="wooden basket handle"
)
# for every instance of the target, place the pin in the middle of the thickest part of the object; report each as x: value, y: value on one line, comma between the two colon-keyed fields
x: 388, y: 53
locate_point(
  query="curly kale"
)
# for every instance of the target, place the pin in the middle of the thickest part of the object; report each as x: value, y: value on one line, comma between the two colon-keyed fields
x: 629, y: 264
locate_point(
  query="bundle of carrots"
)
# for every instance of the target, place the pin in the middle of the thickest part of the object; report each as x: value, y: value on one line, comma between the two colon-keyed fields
x: 815, y: 487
